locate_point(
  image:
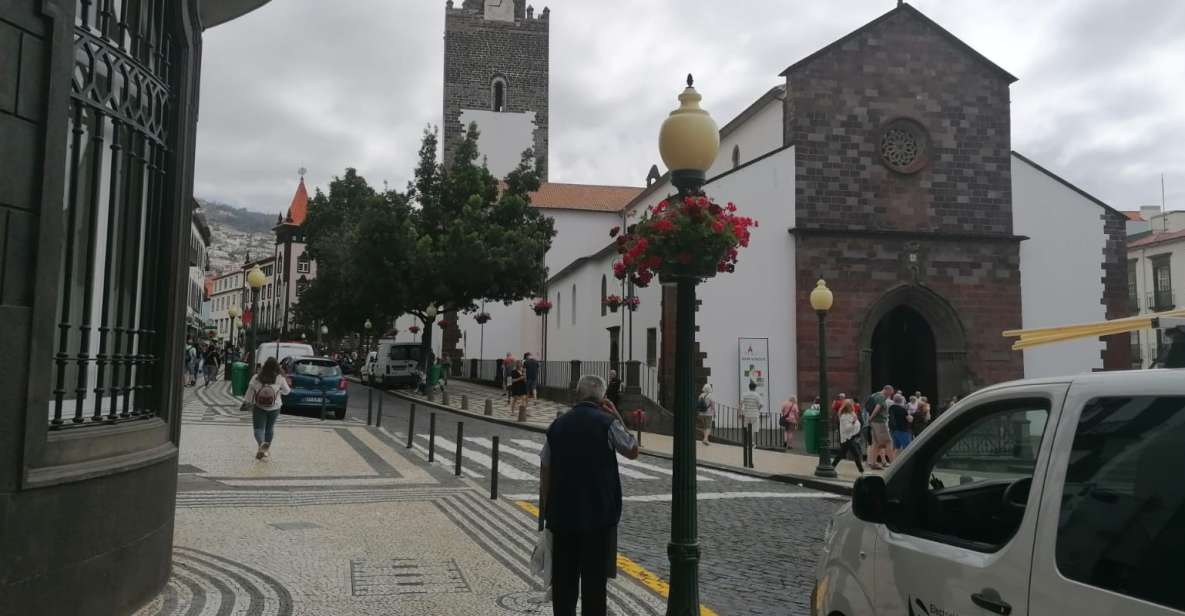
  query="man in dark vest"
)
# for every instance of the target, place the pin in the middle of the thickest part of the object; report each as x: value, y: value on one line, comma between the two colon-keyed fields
x: 580, y: 497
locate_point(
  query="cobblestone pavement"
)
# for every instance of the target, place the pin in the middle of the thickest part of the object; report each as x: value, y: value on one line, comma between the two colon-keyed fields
x: 759, y: 539
x: 343, y: 519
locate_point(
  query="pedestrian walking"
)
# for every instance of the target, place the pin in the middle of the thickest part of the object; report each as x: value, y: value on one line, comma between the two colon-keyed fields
x: 191, y: 362
x: 613, y: 393
x: 531, y: 366
x: 849, y: 436
x: 922, y: 417
x: 507, y: 366
x: 705, y: 413
x: 899, y: 423
x: 789, y: 421
x: 213, y: 361
x: 878, y: 418
x: 580, y: 498
x: 518, y: 391
x: 751, y: 405
x: 264, y: 398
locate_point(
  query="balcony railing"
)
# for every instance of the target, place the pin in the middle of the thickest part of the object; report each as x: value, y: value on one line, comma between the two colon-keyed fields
x: 1162, y: 300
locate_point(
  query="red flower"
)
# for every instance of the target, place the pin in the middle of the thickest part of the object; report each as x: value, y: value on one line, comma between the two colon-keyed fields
x: 614, y: 231
x: 664, y: 225
x: 718, y: 226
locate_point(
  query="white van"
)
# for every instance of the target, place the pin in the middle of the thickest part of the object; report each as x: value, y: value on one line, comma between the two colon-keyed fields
x: 1049, y: 496
x: 396, y: 363
x: 282, y: 351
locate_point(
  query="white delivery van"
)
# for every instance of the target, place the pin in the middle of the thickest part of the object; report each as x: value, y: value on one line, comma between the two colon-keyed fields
x: 1038, y: 497
x: 282, y: 351
x: 367, y: 369
x: 396, y: 363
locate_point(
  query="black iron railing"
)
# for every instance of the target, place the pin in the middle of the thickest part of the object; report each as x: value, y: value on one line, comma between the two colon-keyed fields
x: 1162, y: 299
x: 118, y: 213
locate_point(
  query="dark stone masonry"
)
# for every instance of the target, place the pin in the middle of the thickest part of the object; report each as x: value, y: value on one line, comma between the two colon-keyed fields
x: 478, y: 51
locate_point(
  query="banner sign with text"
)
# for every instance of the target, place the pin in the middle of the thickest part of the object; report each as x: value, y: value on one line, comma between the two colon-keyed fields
x: 754, y: 367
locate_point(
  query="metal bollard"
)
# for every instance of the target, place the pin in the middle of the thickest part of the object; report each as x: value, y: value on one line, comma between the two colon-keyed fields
x: 494, y: 472
x: 444, y: 397
x: 432, y: 437
x: 639, y: 437
x: 489, y: 407
x: 460, y: 440
x: 464, y: 402
x: 411, y: 426
x: 378, y: 420
x: 369, y: 405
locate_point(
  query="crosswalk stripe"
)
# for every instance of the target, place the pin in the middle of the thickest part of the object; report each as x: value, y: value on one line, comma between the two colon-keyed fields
x: 533, y: 458
x: 482, y: 459
x: 701, y: 496
x: 733, y: 476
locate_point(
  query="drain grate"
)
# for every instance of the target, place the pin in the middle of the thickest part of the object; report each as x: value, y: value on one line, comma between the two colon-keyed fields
x: 405, y: 576
x: 294, y: 525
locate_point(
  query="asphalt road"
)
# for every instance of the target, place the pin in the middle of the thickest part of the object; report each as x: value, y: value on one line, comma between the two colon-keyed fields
x: 759, y: 539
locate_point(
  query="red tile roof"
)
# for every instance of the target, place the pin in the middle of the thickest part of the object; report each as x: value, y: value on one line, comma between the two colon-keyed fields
x: 592, y: 197
x: 300, y: 204
x: 1133, y: 215
x: 1156, y: 238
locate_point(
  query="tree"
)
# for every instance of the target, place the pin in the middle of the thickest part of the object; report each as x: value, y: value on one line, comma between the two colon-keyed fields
x: 474, y: 240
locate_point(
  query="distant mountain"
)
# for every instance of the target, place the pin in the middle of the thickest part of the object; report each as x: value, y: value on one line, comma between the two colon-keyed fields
x: 236, y: 234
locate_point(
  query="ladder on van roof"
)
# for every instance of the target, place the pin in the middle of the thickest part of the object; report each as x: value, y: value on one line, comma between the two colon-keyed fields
x: 1171, y: 322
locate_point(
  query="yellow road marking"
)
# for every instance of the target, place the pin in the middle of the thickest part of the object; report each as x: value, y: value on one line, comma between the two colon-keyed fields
x: 631, y: 568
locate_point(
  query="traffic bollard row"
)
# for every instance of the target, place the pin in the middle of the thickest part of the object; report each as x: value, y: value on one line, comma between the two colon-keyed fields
x: 460, y: 441
x: 494, y: 471
x: 432, y: 437
x: 411, y: 426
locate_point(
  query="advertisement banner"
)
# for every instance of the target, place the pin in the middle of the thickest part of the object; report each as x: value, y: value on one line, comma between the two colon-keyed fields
x: 754, y: 368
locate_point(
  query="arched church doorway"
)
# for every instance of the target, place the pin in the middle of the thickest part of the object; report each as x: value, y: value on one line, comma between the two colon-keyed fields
x: 912, y: 338
x: 904, y: 354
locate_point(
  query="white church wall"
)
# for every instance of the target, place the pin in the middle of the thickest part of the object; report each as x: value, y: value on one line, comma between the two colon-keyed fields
x: 760, y: 134
x: 756, y: 301
x: 579, y: 233
x: 1060, y: 278
x: 504, y: 137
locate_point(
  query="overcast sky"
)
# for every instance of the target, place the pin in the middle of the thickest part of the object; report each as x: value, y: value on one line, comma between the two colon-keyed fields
x: 352, y: 83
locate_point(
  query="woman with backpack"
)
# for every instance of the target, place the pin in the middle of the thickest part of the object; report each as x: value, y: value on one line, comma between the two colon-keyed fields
x: 263, y: 397
x: 789, y: 421
x: 705, y: 411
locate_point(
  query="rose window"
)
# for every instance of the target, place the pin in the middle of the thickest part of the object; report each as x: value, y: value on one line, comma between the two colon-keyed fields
x: 903, y: 146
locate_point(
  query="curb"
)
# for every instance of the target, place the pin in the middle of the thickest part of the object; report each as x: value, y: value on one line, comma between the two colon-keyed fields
x: 804, y: 481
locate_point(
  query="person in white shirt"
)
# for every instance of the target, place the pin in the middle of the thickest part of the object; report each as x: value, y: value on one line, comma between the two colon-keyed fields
x: 263, y: 397
x: 849, y: 436
x: 751, y: 405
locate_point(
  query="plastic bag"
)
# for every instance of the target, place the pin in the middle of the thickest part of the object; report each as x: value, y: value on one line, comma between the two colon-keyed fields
x: 541, y: 558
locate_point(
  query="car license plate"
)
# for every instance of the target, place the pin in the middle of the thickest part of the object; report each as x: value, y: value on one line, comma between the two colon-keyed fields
x: 314, y: 400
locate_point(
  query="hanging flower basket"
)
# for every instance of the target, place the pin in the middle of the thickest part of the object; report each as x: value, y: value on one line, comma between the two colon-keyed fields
x: 444, y: 324
x: 613, y: 302
x: 632, y: 303
x: 482, y: 318
x: 541, y: 307
x: 684, y: 237
x: 414, y: 329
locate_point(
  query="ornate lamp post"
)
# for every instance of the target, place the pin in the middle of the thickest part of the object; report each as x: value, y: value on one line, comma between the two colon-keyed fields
x: 367, y: 325
x: 821, y: 300
x: 688, y: 142
x: 255, y: 279
x: 321, y: 333
x: 426, y: 345
x: 234, y: 314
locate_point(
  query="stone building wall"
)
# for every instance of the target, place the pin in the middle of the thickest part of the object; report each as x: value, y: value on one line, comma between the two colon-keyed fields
x: 477, y: 50
x: 861, y: 213
x: 1117, y: 352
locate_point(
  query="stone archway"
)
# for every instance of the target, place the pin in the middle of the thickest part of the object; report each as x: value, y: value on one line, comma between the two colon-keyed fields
x: 931, y: 344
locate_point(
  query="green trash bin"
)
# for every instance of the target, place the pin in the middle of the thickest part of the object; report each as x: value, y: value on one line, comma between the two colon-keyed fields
x: 810, y: 430
x: 239, y: 378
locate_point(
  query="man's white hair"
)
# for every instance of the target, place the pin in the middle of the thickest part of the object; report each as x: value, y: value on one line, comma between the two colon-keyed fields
x: 590, y: 387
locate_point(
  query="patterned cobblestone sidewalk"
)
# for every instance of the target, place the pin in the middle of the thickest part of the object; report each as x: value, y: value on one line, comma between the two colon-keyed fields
x: 341, y: 520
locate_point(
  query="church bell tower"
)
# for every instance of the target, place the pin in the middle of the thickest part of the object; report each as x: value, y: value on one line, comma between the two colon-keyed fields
x: 496, y: 75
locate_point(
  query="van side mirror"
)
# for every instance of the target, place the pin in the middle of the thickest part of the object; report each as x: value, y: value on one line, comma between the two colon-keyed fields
x: 869, y: 499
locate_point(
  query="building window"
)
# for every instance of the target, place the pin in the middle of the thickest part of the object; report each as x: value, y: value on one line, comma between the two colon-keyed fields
x: 604, y: 290
x: 736, y: 156
x: 1133, y: 297
x: 904, y: 146
x: 303, y: 264
x: 1162, y: 282
x: 652, y: 346
x: 499, y: 92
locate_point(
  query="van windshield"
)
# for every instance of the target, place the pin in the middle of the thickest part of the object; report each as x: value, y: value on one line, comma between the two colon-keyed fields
x: 409, y: 352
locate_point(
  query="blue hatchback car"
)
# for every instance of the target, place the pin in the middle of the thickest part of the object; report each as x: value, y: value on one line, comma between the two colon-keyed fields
x: 316, y: 382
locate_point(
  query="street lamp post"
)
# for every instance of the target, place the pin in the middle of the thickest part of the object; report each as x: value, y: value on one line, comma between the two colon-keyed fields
x: 234, y: 314
x: 688, y: 142
x: 255, y: 279
x: 321, y: 333
x: 367, y: 325
x: 426, y: 344
x: 821, y: 300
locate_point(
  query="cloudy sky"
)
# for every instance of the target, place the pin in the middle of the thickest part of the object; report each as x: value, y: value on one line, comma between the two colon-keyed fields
x: 352, y: 83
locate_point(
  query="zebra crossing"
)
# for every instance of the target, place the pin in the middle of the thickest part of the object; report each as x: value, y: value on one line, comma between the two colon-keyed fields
x: 519, y: 460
